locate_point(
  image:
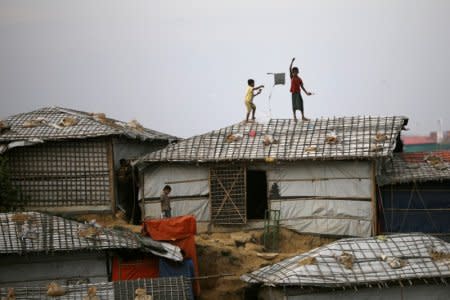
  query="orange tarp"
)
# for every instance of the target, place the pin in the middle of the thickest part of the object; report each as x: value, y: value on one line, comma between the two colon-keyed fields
x: 179, y: 231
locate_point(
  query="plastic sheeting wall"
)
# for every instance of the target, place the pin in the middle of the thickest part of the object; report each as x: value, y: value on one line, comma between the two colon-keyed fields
x: 189, y: 182
x: 63, y: 268
x: 430, y: 292
x: 326, y: 197
x: 198, y: 207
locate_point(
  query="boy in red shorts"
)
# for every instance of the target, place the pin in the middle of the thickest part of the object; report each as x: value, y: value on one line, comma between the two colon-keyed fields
x: 296, y: 87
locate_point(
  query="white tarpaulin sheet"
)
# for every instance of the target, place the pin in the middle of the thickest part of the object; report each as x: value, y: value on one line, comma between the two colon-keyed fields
x: 199, y: 208
x: 335, y: 217
x: 325, y: 179
x: 184, y: 180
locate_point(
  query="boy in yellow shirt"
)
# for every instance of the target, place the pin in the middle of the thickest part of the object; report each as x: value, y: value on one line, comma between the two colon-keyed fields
x: 251, y: 92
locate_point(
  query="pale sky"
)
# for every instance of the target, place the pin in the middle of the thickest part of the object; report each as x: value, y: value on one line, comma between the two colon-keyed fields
x: 182, y: 66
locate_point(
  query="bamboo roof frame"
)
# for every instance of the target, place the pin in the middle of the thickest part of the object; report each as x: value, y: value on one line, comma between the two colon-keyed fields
x: 340, y: 138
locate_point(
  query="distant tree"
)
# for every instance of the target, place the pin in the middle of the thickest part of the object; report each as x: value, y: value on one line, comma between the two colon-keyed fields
x: 10, y: 199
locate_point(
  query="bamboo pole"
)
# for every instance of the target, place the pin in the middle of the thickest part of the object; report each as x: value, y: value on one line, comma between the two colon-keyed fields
x: 112, y: 186
x: 374, y: 201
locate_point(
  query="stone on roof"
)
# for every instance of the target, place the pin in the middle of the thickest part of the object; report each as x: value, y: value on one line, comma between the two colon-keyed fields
x: 169, y: 288
x: 280, y: 139
x: 416, y: 167
x: 55, y: 123
x: 361, y: 261
x: 33, y: 232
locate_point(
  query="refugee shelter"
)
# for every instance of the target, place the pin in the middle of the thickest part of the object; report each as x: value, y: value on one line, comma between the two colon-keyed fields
x: 174, y: 288
x: 414, y: 194
x: 400, y: 266
x: 37, y: 248
x: 65, y: 160
x: 319, y: 175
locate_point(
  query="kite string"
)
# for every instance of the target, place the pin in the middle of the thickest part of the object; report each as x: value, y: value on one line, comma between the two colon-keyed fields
x: 270, y: 106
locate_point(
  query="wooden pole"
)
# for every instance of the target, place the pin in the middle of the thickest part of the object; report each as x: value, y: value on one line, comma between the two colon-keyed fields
x: 112, y: 186
x: 374, y: 200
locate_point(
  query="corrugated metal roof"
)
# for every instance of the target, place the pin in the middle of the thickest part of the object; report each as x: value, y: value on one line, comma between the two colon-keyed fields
x: 359, y: 261
x: 28, y: 232
x: 47, y: 124
x: 281, y: 139
x: 418, y: 140
x: 417, y: 166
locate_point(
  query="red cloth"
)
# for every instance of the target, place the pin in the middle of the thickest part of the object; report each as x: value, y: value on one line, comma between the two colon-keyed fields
x: 296, y: 82
x: 179, y: 231
x: 129, y: 269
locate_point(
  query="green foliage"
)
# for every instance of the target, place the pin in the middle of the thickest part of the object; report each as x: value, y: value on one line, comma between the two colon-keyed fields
x: 10, y: 199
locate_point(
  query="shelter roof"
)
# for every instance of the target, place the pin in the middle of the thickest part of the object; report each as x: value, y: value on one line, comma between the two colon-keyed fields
x: 361, y: 261
x: 55, y: 123
x: 168, y: 288
x: 359, y: 137
x: 416, y: 167
x: 418, y: 140
x: 28, y: 232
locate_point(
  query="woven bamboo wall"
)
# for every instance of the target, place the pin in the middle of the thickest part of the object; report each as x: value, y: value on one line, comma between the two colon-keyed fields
x: 228, y: 199
x: 70, y: 173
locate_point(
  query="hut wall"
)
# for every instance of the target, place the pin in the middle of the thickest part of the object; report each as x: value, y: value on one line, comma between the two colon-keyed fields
x: 68, y: 174
x: 190, y: 190
x: 429, y: 292
x: 63, y: 268
x: 416, y: 207
x: 324, y: 197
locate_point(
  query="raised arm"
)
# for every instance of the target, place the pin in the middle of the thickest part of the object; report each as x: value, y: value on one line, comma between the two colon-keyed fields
x: 290, y: 67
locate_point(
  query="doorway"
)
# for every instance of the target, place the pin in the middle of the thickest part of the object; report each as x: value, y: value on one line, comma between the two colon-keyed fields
x: 256, y: 194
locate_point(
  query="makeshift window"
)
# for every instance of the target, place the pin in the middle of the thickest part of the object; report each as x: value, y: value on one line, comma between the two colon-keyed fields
x: 228, y: 203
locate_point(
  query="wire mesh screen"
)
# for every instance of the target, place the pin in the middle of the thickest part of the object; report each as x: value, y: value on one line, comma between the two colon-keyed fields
x: 62, y: 173
x: 171, y: 288
x: 351, y: 262
x: 285, y: 139
x: 228, y: 203
x: 73, y: 292
x: 37, y: 232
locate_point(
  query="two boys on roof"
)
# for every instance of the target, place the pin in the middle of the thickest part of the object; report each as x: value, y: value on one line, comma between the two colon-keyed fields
x: 296, y: 87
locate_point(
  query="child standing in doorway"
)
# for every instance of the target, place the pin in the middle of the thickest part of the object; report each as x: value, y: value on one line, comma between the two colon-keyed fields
x: 250, y: 93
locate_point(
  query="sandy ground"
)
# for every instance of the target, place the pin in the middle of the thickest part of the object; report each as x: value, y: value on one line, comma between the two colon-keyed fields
x: 234, y: 254
x: 224, y: 257
x: 110, y: 221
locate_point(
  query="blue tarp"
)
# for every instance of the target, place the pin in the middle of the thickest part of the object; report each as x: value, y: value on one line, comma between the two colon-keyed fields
x: 419, y: 207
x: 185, y: 268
